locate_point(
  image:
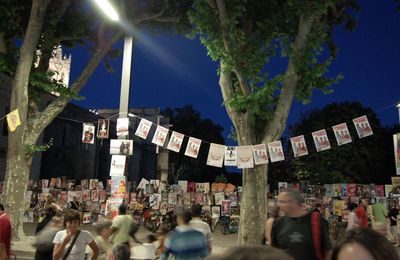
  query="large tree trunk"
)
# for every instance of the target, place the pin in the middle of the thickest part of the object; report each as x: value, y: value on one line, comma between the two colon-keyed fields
x: 252, y: 208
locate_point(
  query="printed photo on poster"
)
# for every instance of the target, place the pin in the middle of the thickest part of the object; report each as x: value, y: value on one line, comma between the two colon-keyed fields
x: 216, y: 155
x: 245, y: 157
x: 118, y: 187
x: 230, y: 156
x: 342, y: 134
x: 175, y: 142
x: 362, y: 126
x: 276, y: 151
x: 121, y: 147
x: 260, y: 154
x: 215, y: 211
x: 103, y: 128
x: 299, y: 146
x: 321, y: 140
x: 122, y: 126
x: 225, y: 207
x: 160, y: 136
x: 117, y: 165
x: 193, y: 147
x: 88, y: 133
x: 143, y: 129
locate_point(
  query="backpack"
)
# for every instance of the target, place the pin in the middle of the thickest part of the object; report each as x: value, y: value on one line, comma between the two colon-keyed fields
x: 316, y: 234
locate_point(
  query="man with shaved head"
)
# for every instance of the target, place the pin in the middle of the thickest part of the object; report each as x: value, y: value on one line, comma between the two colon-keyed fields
x: 301, y: 234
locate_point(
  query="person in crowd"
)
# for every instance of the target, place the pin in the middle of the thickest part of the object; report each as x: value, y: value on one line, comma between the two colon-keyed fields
x: 145, y: 250
x: 393, y: 213
x: 318, y: 208
x: 273, y: 214
x: 121, y: 226
x: 103, y: 229
x: 296, y: 231
x: 364, y: 244
x: 119, y: 252
x: 252, y: 252
x: 70, y: 244
x: 352, y: 221
x: 380, y: 215
x: 198, y: 224
x: 44, y: 239
x: 74, y: 204
x: 361, y: 213
x: 184, y: 242
x: 5, y: 230
x: 50, y: 212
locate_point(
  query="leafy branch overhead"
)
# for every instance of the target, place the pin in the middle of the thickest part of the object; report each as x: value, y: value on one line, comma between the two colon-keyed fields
x: 256, y: 39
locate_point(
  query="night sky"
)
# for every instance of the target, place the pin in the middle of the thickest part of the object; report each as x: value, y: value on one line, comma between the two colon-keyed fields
x: 172, y: 71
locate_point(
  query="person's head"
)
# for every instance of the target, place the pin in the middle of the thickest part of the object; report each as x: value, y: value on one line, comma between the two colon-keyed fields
x: 72, y: 220
x: 151, y: 238
x: 252, y: 252
x: 364, y: 203
x: 56, y: 222
x: 364, y: 244
x: 274, y: 212
x: 319, y: 207
x: 353, y: 206
x: 183, y: 216
x: 196, y: 210
x: 119, y: 252
x: 122, y: 209
x: 290, y: 201
x: 103, y: 227
x: 1, y: 208
x: 50, y: 210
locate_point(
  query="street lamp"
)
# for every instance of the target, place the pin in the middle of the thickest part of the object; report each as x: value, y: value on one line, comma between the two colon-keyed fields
x: 398, y: 107
x: 107, y: 8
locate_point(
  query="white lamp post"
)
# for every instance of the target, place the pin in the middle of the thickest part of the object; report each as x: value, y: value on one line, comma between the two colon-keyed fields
x: 398, y: 107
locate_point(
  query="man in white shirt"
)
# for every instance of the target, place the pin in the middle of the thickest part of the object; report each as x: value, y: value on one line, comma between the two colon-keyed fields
x: 198, y: 224
x: 121, y: 226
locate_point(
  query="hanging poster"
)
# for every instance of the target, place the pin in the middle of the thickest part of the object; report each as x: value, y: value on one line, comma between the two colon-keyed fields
x: 122, y: 126
x: 276, y: 151
x: 362, y: 126
x: 175, y: 142
x: 160, y: 136
x: 321, y: 140
x: 183, y: 185
x: 193, y: 147
x: 142, y: 184
x: 118, y: 187
x: 117, y: 165
x: 121, y: 147
x: 260, y: 154
x: 13, y: 120
x: 396, y: 143
x: 93, y: 184
x: 245, y: 157
x: 230, y: 156
x: 88, y: 133
x: 103, y: 128
x: 143, y: 129
x: 216, y: 155
x: 342, y: 134
x: 299, y: 146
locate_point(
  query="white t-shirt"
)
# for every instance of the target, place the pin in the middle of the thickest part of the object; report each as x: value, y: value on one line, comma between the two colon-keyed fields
x: 78, y: 250
x: 203, y: 227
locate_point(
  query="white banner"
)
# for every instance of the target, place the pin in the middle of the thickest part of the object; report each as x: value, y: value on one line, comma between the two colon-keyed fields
x: 121, y: 147
x: 88, y: 133
x: 321, y: 140
x: 396, y: 142
x: 193, y: 147
x: 160, y: 136
x: 276, y: 151
x: 122, y: 126
x: 216, y: 155
x: 299, y: 146
x: 175, y: 142
x: 260, y: 154
x: 362, y: 126
x: 117, y: 165
x: 245, y: 157
x: 342, y: 134
x: 230, y: 156
x: 143, y: 129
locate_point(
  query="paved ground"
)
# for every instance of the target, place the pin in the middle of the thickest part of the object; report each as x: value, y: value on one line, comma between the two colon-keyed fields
x: 24, y: 249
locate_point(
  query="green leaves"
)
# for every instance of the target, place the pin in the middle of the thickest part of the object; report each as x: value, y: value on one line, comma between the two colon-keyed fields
x: 31, y: 149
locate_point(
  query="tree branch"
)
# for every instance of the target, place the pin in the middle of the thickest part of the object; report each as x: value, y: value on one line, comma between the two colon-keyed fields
x: 223, y: 15
x: 225, y: 83
x: 55, y: 107
x: 277, y: 124
x: 149, y: 17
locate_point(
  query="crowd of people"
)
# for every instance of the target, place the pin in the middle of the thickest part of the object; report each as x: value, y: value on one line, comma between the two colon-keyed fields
x: 291, y: 232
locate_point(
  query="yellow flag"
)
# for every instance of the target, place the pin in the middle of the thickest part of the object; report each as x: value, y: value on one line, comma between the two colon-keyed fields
x: 13, y: 120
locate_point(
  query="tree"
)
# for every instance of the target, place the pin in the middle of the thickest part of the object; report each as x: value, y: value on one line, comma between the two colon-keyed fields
x: 244, y: 36
x: 188, y: 121
x: 371, y: 157
x: 29, y: 28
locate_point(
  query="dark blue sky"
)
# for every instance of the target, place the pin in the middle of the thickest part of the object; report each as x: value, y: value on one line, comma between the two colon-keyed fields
x: 171, y: 71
